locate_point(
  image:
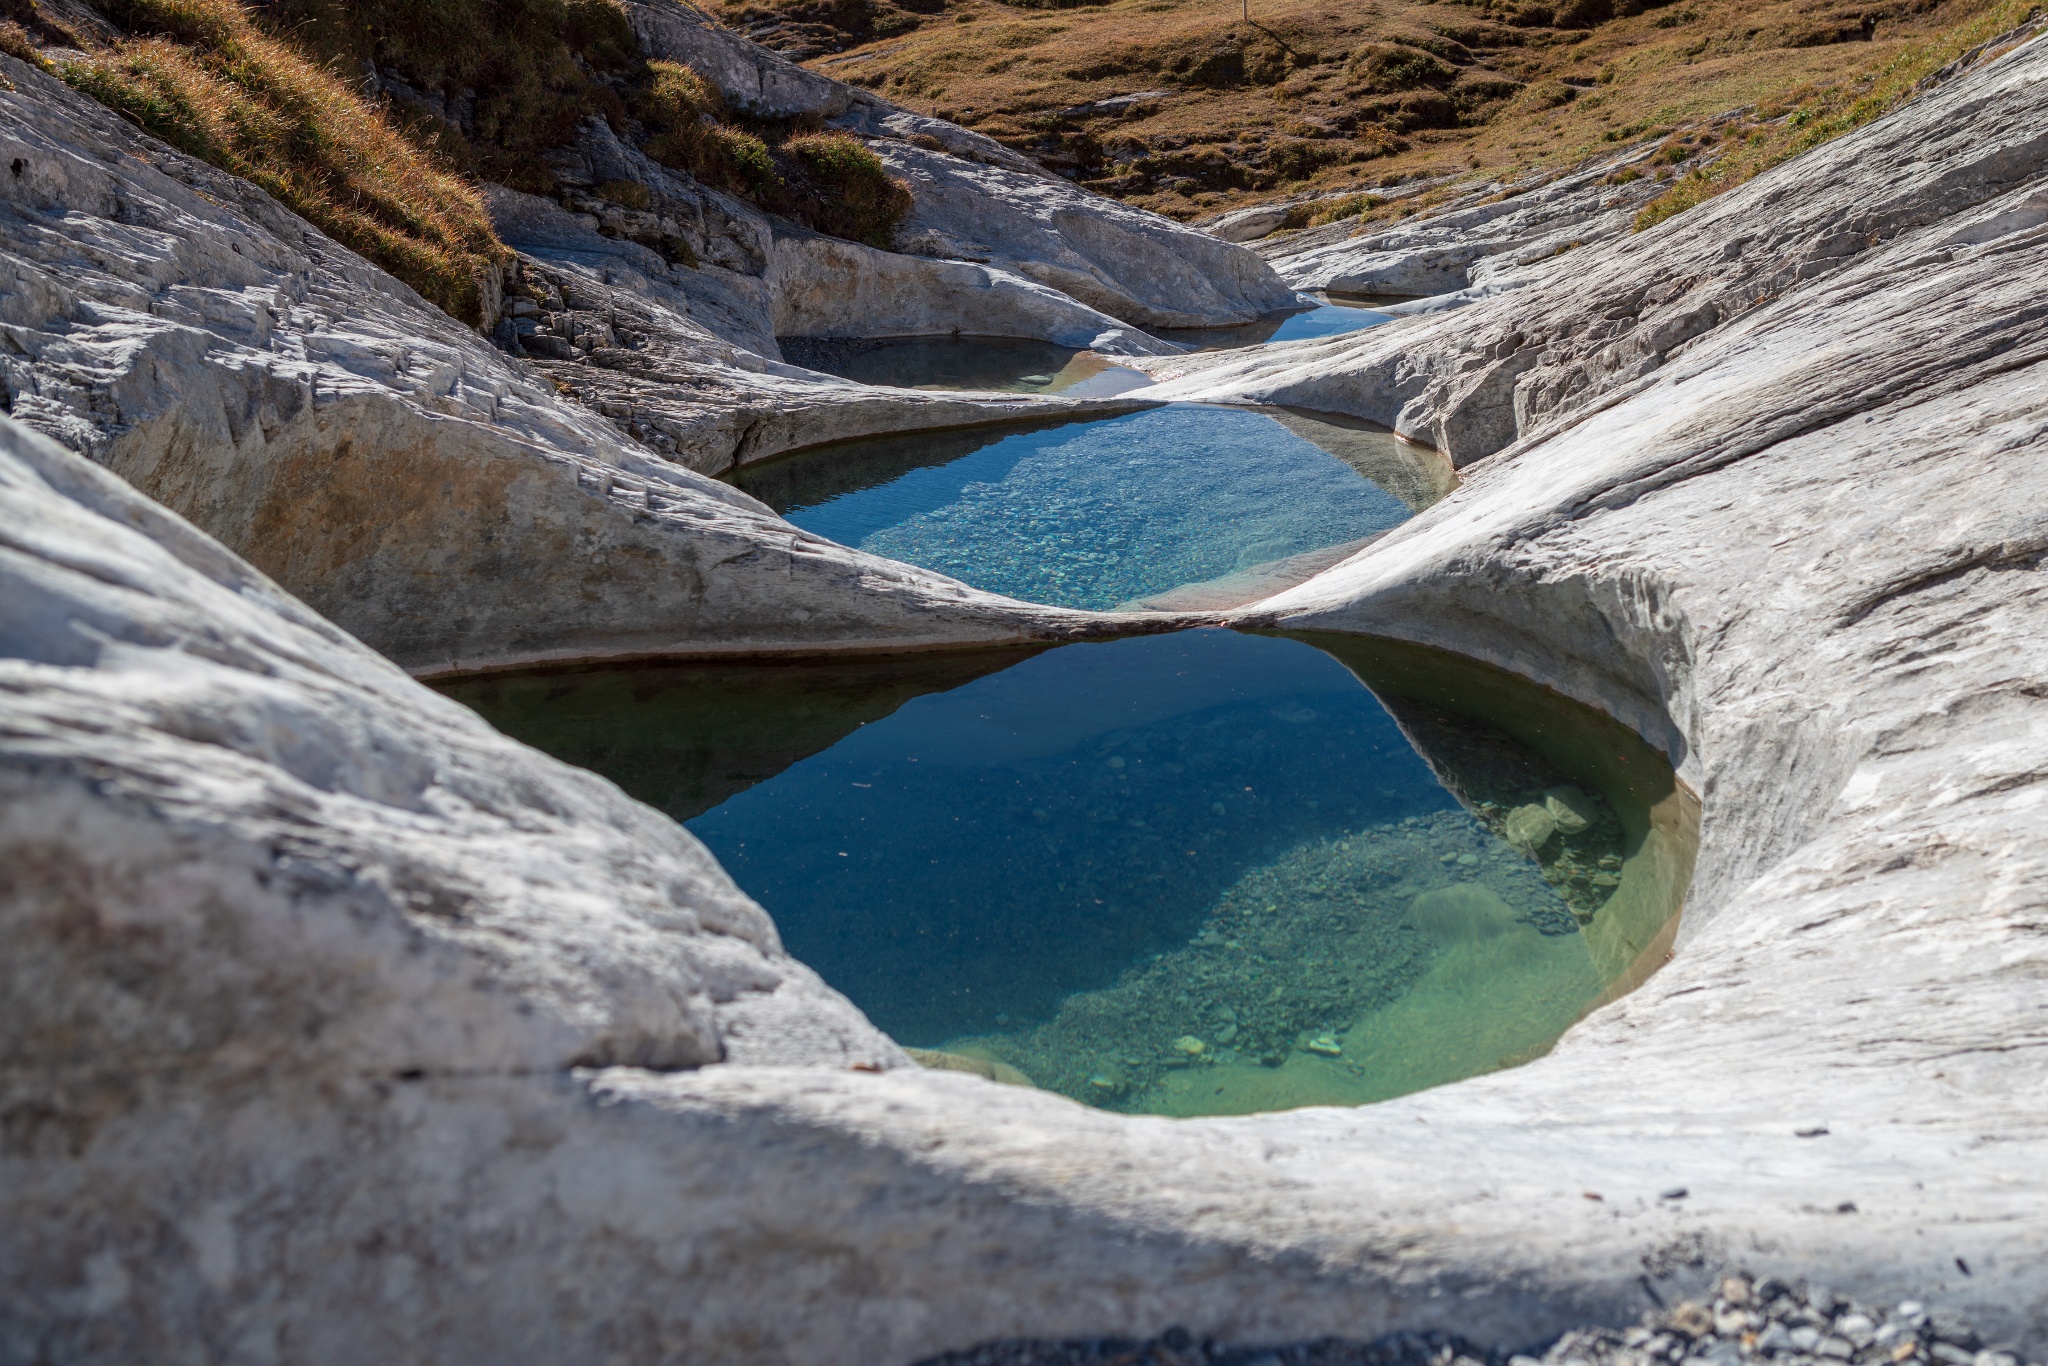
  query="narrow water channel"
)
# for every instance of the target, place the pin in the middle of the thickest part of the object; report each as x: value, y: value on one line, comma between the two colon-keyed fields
x: 1194, y: 874
x: 1184, y: 505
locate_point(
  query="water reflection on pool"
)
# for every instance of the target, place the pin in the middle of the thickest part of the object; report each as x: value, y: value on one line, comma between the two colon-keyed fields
x: 1021, y: 366
x: 1113, y: 511
x: 1331, y: 316
x: 987, y: 364
x: 1193, y: 874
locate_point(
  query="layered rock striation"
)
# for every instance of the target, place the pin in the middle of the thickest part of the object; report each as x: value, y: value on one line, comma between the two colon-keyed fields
x: 1480, y: 242
x: 344, y: 1030
x: 414, y: 484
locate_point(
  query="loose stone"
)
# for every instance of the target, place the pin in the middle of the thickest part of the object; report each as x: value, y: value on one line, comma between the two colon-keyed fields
x: 1530, y: 827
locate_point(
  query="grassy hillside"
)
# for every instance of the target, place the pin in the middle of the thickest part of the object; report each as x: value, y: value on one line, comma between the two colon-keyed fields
x: 1328, y: 94
x: 375, y: 118
x: 204, y: 78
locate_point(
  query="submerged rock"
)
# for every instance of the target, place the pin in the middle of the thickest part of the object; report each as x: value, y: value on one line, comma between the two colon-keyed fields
x: 990, y: 1069
x: 1570, y: 809
x: 1530, y: 827
x: 1462, y: 911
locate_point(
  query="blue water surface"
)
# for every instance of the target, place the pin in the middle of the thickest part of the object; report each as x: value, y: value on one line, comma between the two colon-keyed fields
x: 1093, y: 514
x: 1328, y: 320
x: 963, y: 864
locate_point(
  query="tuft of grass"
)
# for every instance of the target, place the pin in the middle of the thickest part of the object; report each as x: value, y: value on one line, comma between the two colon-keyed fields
x: 1314, y: 215
x: 691, y: 133
x: 840, y: 187
x: 1816, y: 117
x: 16, y: 43
x: 207, y: 81
x: 529, y: 71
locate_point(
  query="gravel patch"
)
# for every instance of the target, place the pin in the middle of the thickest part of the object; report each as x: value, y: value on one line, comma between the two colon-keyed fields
x: 1771, y: 1321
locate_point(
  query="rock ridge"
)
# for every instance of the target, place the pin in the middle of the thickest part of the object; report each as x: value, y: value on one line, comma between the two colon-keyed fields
x: 435, y: 497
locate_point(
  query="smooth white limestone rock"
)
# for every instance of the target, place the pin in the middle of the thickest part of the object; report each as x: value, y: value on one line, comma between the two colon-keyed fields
x: 239, y: 842
x: 1783, y: 512
x: 1137, y: 266
x: 979, y: 202
x: 1483, y: 239
x: 412, y: 483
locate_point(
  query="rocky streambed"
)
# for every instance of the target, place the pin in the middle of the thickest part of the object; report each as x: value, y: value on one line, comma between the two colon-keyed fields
x: 1747, y: 1321
x: 341, y: 1027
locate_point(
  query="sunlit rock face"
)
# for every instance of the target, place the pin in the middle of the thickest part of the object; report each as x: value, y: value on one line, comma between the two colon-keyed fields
x: 316, y: 981
x: 407, y: 479
x: 976, y: 201
x: 1485, y: 240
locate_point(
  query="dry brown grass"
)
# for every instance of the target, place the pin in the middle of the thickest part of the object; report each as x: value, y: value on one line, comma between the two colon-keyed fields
x: 258, y: 91
x: 842, y: 188
x: 207, y: 81
x: 690, y: 130
x: 1329, y: 95
x: 528, y: 71
x: 1780, y: 133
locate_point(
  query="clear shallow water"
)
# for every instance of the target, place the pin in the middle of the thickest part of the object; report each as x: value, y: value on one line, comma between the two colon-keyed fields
x: 1191, y: 874
x: 1101, y: 513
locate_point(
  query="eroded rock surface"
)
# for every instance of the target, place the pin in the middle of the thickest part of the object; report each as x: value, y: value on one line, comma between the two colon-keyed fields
x: 749, y: 277
x: 412, y: 483
x: 1128, y: 263
x: 979, y: 202
x: 240, y: 842
x: 1483, y: 240
x: 1765, y: 482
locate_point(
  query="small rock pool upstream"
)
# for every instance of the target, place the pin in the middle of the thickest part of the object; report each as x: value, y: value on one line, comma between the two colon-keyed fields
x: 1223, y: 504
x: 1200, y: 873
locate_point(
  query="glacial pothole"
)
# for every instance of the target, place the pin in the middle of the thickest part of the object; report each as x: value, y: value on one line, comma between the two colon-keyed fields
x: 1202, y: 873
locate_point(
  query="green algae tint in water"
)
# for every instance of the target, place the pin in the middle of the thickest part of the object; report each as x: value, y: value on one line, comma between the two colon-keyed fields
x: 1194, y: 874
x: 1102, y: 513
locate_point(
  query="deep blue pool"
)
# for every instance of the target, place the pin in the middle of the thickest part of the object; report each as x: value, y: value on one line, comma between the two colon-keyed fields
x: 1191, y: 874
x: 980, y: 854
